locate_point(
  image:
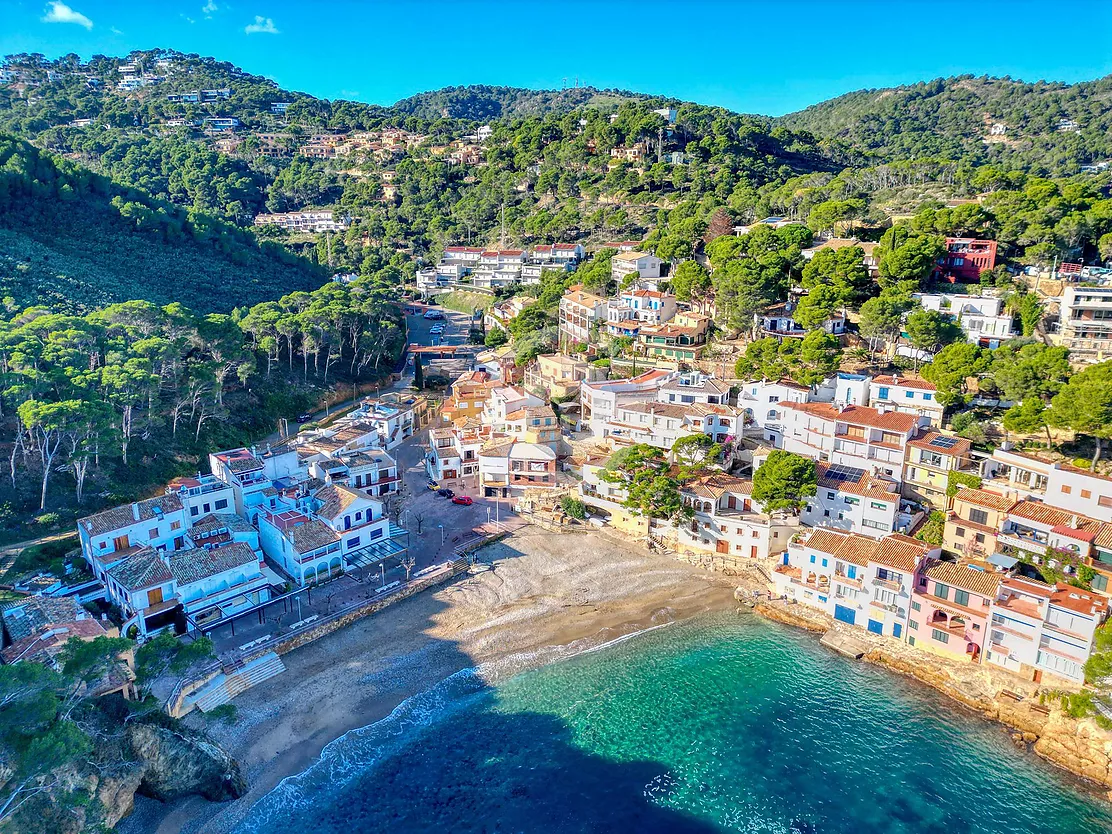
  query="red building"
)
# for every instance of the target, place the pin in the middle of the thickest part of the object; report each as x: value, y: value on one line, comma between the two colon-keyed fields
x: 965, y: 258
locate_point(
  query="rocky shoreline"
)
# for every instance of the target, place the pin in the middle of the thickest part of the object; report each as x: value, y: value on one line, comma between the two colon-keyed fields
x: 1038, y: 724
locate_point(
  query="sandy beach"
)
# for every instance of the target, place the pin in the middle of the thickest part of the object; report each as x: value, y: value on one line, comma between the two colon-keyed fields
x: 547, y: 595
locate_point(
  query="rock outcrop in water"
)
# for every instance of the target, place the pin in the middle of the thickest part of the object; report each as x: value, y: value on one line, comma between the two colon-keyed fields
x: 1076, y: 745
x: 152, y: 760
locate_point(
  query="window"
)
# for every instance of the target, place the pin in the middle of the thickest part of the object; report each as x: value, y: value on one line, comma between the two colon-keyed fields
x: 878, y: 505
x: 883, y: 394
x: 960, y: 532
x: 812, y: 558
x: 194, y: 510
x: 1086, y: 493
x: 916, y: 606
x: 175, y: 525
x: 874, y: 525
x: 1105, y: 501
x: 909, y: 395
x: 1067, y: 489
x: 376, y: 534
x: 830, y: 495
x: 940, y: 636
x: 910, y: 640
x: 153, y: 532
x: 979, y: 538
x: 221, y: 504
x: 824, y: 562
x: 978, y: 516
x: 914, y: 626
x: 961, y: 597
x: 850, y: 500
x: 927, y: 397
x: 353, y: 541
x: 941, y: 591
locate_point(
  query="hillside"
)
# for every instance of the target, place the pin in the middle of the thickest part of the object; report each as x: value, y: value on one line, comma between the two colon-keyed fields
x: 1044, y: 127
x: 75, y: 240
x: 483, y: 103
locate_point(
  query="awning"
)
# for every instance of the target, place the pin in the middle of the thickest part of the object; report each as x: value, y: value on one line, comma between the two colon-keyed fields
x: 377, y: 552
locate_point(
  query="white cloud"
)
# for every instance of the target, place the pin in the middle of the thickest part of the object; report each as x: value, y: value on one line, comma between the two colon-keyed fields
x: 57, y: 12
x: 188, y: 19
x: 115, y: 31
x: 261, y: 26
x: 209, y: 9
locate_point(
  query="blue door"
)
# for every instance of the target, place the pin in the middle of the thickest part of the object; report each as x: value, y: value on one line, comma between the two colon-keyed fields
x: 897, y: 630
x: 844, y: 614
x: 876, y: 627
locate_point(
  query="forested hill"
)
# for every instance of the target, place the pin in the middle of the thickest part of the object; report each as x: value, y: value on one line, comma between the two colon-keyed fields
x: 1046, y: 128
x: 75, y: 240
x: 483, y: 103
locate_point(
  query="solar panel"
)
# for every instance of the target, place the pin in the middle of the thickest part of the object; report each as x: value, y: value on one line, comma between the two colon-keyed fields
x: 944, y: 442
x: 837, y: 472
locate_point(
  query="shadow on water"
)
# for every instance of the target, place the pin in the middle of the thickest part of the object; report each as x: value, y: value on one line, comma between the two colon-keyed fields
x: 448, y: 759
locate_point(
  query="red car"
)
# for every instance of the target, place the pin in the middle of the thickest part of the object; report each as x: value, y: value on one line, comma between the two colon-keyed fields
x: 465, y: 500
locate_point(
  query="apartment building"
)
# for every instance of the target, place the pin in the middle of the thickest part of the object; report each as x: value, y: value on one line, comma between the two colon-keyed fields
x: 761, y: 405
x: 1085, y: 320
x: 512, y: 467
x: 907, y: 395
x: 855, y: 579
x: 727, y: 522
x: 873, y: 439
x: 634, y: 265
x: 1038, y: 629
x: 951, y: 609
x: 305, y: 221
x: 579, y: 312
x: 467, y: 396
x: 931, y: 457
x: 555, y: 375
x: 694, y: 387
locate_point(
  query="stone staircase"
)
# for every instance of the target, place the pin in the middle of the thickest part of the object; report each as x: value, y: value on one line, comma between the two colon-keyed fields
x: 225, y: 686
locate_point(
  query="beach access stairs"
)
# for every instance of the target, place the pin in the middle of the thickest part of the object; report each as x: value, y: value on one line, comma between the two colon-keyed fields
x: 236, y: 679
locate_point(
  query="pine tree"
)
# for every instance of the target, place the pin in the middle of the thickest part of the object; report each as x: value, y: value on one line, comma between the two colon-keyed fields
x: 418, y: 373
x: 720, y: 224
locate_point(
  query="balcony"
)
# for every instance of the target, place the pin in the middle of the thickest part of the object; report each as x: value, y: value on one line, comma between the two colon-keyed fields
x: 858, y: 582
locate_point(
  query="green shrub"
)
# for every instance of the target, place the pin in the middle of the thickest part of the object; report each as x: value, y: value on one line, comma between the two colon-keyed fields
x: 573, y: 507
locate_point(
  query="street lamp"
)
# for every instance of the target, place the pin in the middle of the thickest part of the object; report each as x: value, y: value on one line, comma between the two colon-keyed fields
x: 441, y: 526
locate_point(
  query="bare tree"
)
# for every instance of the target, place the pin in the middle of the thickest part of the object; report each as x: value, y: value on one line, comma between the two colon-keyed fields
x: 418, y: 519
x: 408, y: 562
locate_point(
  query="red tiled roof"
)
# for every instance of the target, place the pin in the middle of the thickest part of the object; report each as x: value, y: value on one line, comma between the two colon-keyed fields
x: 968, y: 579
x: 858, y: 415
x: 906, y: 382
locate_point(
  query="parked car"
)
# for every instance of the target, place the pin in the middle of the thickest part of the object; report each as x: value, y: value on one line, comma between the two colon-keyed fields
x: 463, y: 500
x: 304, y: 418
x: 445, y: 493
x: 432, y: 485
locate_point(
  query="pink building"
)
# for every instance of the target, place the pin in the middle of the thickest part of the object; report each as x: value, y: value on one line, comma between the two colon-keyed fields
x: 950, y: 609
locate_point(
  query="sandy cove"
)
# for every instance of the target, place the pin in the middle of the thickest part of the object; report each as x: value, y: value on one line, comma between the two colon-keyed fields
x: 547, y: 592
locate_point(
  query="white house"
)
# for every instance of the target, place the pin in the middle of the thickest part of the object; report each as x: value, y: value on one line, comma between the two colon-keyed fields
x: 579, y: 312
x: 728, y: 523
x: 982, y: 318
x: 1036, y: 628
x: 852, y: 500
x: 600, y: 399
x: 633, y: 308
x: 855, y: 579
x: 908, y: 396
x: 761, y: 404
x: 213, y: 583
x: 662, y: 424
x: 694, y: 387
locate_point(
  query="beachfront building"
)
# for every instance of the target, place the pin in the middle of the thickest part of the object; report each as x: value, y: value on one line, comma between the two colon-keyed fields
x: 512, y: 467
x: 951, y: 609
x: 762, y: 404
x: 1039, y: 629
x: 726, y: 521
x: 873, y: 439
x: 1055, y: 482
x: 855, y: 579
x: 907, y: 395
x: 849, y: 499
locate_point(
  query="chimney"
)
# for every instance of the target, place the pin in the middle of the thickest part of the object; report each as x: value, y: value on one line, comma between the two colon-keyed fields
x: 881, y: 408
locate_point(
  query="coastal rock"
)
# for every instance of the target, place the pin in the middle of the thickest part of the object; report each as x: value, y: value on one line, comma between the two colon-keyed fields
x: 180, y: 765
x: 116, y: 794
x: 1079, y: 746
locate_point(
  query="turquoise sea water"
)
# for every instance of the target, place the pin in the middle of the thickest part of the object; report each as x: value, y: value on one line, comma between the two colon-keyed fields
x: 722, y: 723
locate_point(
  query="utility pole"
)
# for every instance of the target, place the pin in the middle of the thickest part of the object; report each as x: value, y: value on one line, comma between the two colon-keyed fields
x: 503, y: 244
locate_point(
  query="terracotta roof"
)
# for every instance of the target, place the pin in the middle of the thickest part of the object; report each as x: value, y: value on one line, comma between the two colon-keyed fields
x: 335, y: 498
x: 49, y: 640
x: 1078, y: 599
x: 716, y: 485
x: 901, y: 552
x: 214, y: 522
x: 905, y: 381
x: 858, y: 415
x: 964, y: 577
x: 200, y: 563
x: 896, y: 551
x: 866, y: 486
x: 583, y: 298
x: 30, y: 615
x: 311, y: 535
x: 983, y: 498
x: 124, y: 516
x: 1041, y: 513
x: 1104, y: 536
x: 142, y: 569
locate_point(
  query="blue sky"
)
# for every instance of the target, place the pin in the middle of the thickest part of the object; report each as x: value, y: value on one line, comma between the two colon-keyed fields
x: 768, y: 57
